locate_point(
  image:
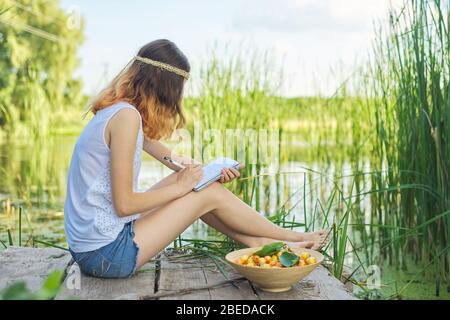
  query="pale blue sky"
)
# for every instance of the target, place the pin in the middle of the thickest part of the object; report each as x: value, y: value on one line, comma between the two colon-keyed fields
x: 313, y: 37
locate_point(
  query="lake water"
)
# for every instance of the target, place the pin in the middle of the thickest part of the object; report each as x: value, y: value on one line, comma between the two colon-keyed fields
x: 33, y: 176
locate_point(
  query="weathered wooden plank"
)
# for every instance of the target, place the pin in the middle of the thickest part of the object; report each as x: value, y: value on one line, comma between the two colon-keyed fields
x: 89, y: 288
x: 198, y: 279
x: 178, y: 274
x: 31, y: 265
x: 319, y: 285
x: 241, y: 290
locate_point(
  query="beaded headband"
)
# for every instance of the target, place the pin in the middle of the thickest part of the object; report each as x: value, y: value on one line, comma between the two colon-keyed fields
x: 164, y: 66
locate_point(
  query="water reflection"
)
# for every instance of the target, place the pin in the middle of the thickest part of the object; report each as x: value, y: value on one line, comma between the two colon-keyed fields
x: 33, y: 175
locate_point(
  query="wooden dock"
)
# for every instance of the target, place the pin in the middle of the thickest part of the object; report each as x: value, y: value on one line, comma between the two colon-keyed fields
x: 170, y: 276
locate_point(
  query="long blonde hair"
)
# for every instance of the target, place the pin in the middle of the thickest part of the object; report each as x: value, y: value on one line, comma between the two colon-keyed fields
x: 156, y: 93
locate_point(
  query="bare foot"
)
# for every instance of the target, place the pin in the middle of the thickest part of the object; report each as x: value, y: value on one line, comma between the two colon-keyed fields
x: 312, y: 236
x: 323, y: 241
x: 320, y: 238
x: 302, y: 244
x: 314, y: 240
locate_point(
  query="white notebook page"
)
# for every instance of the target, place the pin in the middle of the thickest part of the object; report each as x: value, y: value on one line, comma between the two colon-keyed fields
x: 212, y: 171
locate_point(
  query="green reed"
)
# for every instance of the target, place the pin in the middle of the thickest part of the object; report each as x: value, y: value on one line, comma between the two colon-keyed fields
x: 234, y: 101
x: 410, y: 86
x: 238, y: 94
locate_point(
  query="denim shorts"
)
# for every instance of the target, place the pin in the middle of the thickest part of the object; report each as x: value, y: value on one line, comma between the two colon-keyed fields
x: 115, y: 260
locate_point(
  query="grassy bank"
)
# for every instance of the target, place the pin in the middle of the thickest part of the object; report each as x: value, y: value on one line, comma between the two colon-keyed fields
x: 410, y: 83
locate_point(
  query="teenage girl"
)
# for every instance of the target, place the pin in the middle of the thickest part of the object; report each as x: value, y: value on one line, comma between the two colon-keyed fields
x: 112, y: 228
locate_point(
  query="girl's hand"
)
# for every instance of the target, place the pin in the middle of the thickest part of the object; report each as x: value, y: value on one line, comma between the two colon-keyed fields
x: 188, y: 178
x: 230, y: 174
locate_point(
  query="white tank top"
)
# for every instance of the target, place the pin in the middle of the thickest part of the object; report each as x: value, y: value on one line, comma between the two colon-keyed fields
x: 90, y: 220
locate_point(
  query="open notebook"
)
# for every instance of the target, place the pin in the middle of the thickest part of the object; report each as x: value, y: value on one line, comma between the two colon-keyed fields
x: 212, y: 171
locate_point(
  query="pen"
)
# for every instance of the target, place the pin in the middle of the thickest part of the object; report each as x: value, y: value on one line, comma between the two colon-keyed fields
x: 175, y: 163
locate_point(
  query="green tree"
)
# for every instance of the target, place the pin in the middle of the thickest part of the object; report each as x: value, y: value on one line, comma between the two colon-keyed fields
x: 38, y: 55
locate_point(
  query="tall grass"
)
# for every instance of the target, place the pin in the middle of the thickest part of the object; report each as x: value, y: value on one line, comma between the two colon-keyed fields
x: 241, y: 94
x: 410, y: 85
x: 235, y: 101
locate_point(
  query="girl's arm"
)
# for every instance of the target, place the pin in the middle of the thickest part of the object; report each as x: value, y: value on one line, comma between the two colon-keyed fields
x: 122, y: 143
x: 158, y: 150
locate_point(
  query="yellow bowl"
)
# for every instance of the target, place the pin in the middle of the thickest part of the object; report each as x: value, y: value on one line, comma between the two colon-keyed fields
x: 273, y: 279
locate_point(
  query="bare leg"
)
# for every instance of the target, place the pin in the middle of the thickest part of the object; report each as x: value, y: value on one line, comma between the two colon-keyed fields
x: 159, y: 228
x: 237, y: 215
x: 247, y: 213
x: 231, y: 205
x: 211, y: 220
x: 302, y: 239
